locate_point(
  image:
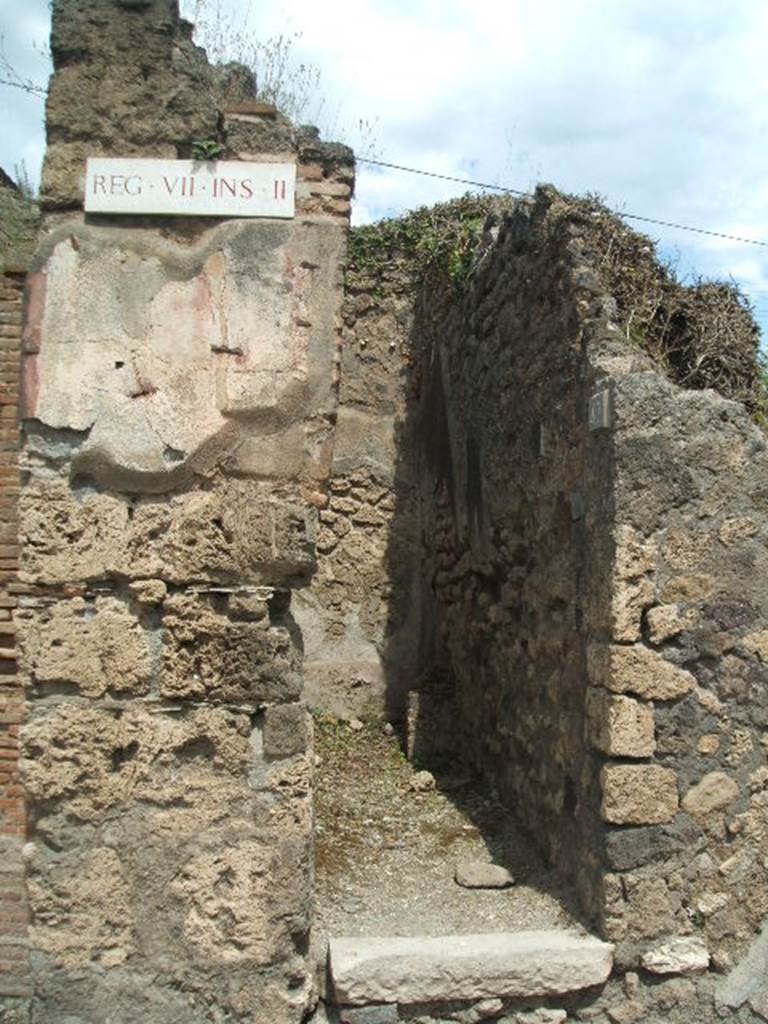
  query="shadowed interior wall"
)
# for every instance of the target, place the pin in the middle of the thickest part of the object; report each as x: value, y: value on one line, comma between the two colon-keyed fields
x: 515, y: 492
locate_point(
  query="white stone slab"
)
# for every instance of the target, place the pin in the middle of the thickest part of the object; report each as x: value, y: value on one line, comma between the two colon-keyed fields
x: 683, y: 955
x: 216, y: 188
x: 419, y: 969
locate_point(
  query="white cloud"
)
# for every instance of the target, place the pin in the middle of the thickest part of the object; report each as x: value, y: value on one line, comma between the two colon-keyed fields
x: 658, y: 105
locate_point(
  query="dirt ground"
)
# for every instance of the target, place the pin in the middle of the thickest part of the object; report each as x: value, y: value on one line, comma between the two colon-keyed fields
x: 386, y: 853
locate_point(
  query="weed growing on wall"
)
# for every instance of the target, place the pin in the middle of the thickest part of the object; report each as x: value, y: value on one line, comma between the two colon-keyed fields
x: 441, y: 241
x: 701, y: 335
x: 19, y: 220
x: 292, y: 85
x: 761, y: 399
x: 10, y: 75
x: 206, y: 149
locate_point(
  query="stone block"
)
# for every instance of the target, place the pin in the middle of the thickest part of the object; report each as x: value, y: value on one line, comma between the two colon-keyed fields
x: 91, y: 647
x: 747, y: 980
x: 91, y: 893
x: 423, y: 969
x: 757, y: 643
x: 155, y: 852
x: 736, y: 529
x: 540, y: 1016
x: 483, y: 1010
x: 759, y: 1003
x: 650, y: 476
x: 287, y: 730
x: 224, y: 894
x: 620, y: 726
x: 685, y: 955
x: 685, y: 549
x: 207, y: 655
x: 691, y: 587
x: 365, y: 439
x: 638, y: 670
x: 629, y: 848
x: 640, y: 907
x: 668, y: 620
x: 236, y: 532
x: 708, y: 744
x: 712, y: 793
x: 275, y: 456
x: 86, y: 759
x: 385, y: 1013
x: 67, y: 539
x: 479, y: 875
x: 631, y: 1012
x: 149, y: 592
x: 638, y: 794
x: 252, y: 606
x: 633, y: 582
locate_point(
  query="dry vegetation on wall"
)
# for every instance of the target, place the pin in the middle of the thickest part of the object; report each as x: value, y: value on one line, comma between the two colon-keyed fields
x: 440, y: 242
x: 19, y: 220
x: 701, y: 335
x: 271, y: 68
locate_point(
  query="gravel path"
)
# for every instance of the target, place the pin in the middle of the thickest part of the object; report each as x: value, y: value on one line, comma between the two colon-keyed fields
x: 386, y: 854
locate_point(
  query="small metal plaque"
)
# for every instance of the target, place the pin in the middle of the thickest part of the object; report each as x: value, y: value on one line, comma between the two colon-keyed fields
x: 600, y: 410
x: 576, y: 501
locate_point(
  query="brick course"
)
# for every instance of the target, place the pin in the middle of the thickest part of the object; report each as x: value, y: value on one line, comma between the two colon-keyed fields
x: 14, y: 970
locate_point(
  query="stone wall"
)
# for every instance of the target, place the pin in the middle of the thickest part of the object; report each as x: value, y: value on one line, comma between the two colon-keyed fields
x: 468, y: 497
x: 179, y: 400
x: 515, y: 497
x: 596, y: 546
x: 13, y: 912
x: 560, y: 555
x: 366, y: 640
x: 688, y: 840
x: 463, y: 546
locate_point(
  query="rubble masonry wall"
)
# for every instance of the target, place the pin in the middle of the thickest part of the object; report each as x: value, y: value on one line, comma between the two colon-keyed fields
x: 578, y: 547
x: 179, y: 394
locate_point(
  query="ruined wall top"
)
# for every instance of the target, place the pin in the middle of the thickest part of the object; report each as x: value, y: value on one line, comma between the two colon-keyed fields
x: 129, y: 81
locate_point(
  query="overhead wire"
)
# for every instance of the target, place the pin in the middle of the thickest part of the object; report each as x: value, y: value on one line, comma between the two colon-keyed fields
x: 520, y: 192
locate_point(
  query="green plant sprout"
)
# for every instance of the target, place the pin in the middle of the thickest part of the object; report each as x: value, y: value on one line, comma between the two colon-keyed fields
x: 206, y: 149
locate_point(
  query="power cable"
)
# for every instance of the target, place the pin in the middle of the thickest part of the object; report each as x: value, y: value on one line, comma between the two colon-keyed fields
x: 443, y: 177
x: 519, y: 192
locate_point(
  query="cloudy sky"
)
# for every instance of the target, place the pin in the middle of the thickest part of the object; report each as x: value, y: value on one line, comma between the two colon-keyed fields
x: 659, y: 106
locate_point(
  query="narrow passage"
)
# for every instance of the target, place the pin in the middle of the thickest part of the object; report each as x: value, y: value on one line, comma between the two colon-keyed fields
x: 389, y: 840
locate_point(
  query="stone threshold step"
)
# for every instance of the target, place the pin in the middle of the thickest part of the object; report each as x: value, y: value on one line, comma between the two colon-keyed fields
x: 423, y: 969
